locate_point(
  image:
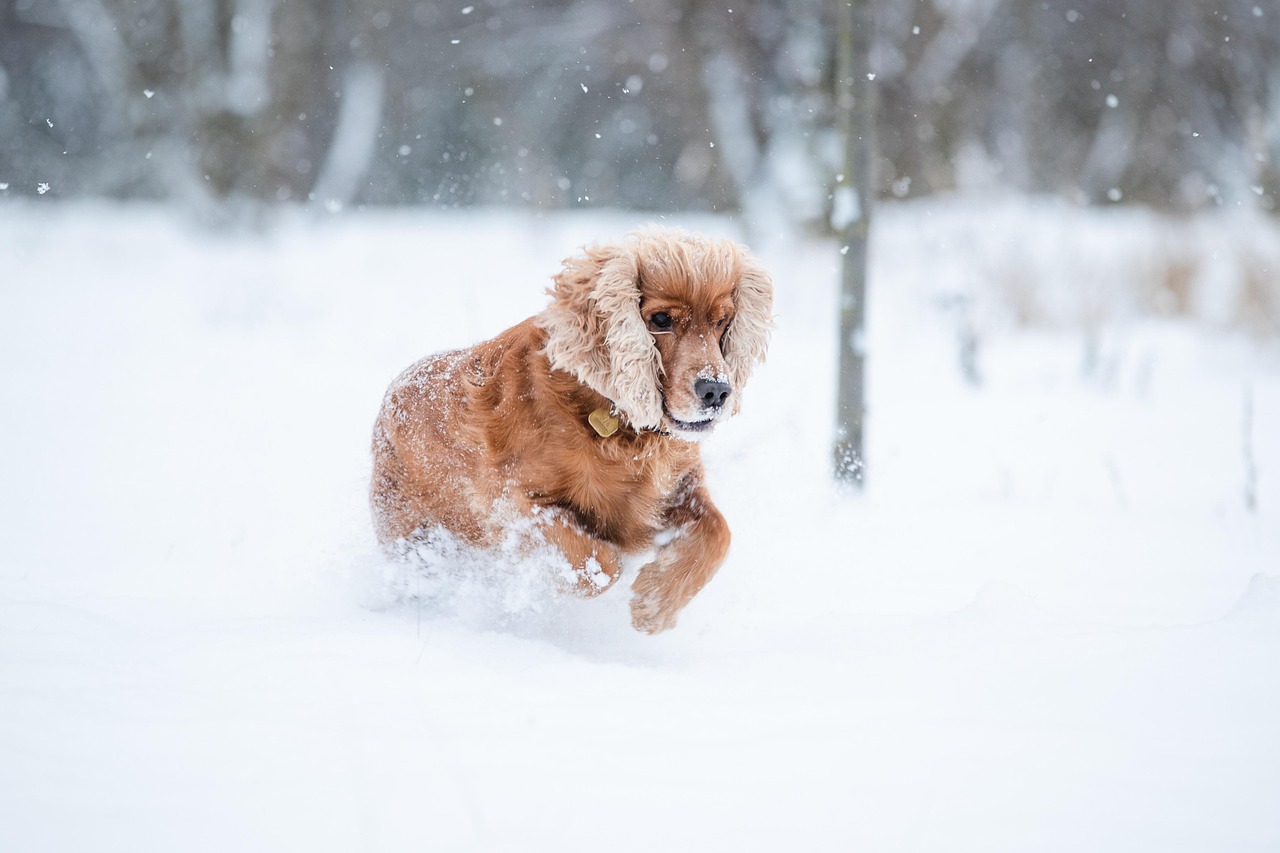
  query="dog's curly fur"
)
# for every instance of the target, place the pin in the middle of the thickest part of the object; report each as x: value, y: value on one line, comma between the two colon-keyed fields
x: 662, y: 330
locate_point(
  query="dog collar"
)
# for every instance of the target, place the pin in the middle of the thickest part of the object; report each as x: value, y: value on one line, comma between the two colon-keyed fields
x: 604, y: 422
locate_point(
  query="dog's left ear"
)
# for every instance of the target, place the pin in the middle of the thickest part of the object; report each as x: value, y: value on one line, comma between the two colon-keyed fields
x: 747, y: 340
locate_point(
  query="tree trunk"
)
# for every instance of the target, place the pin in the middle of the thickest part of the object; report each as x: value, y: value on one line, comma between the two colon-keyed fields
x: 851, y: 218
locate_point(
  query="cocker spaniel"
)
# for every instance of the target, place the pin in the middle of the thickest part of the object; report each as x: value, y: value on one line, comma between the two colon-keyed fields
x: 580, y: 425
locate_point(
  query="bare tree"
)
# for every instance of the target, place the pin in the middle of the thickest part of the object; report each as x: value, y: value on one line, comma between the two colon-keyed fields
x: 851, y: 218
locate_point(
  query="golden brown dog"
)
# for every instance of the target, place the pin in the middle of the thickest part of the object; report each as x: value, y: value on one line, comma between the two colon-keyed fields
x: 582, y: 422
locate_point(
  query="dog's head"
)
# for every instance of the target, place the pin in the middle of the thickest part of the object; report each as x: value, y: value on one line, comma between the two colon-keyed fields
x: 668, y: 325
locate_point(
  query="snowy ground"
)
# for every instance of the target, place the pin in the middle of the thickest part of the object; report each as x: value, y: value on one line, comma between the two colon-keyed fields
x: 1051, y: 623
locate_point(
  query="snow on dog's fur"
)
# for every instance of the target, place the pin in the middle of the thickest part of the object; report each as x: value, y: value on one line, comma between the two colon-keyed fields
x: 653, y: 338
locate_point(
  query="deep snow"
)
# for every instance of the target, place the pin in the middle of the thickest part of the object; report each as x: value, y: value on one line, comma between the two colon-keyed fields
x: 1051, y: 623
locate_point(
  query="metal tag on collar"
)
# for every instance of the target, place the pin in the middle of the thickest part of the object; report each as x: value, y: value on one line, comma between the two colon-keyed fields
x: 603, y: 422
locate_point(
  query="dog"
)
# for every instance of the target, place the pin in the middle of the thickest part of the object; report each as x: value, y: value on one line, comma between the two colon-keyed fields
x: 581, y: 424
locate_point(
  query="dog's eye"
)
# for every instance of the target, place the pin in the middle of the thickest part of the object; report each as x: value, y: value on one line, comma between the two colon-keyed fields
x: 660, y: 320
x: 724, y: 321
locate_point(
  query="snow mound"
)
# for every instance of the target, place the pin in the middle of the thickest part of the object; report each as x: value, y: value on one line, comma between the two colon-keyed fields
x: 1001, y: 602
x: 1260, y: 602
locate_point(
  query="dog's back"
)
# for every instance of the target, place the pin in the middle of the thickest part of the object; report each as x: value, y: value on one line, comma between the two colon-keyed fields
x: 422, y: 450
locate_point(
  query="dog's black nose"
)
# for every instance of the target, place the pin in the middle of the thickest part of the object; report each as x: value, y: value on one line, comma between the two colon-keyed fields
x: 711, y: 393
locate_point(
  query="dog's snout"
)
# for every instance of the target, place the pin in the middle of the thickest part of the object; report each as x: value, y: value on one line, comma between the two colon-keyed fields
x: 711, y: 392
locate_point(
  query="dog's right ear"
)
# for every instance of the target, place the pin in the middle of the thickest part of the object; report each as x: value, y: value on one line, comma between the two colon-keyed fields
x: 596, y: 333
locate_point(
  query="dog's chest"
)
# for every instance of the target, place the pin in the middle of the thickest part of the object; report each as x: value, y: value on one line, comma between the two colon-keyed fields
x: 627, y: 489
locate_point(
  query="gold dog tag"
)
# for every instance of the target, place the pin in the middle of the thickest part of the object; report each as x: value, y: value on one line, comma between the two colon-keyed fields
x: 603, y: 423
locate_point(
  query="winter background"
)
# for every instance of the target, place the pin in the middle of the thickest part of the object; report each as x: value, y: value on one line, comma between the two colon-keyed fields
x: 1049, y: 621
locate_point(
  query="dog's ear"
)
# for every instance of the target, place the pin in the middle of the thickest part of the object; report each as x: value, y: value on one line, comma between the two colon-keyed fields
x: 747, y: 340
x: 595, y: 332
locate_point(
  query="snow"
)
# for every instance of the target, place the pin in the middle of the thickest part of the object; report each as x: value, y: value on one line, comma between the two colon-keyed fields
x: 1050, y: 623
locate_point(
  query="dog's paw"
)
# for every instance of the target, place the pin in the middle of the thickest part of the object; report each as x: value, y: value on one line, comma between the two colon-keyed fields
x: 591, y: 578
x: 589, y: 566
x: 650, y: 613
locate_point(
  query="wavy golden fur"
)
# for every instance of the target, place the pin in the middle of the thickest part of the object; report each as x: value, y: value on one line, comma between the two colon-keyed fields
x: 657, y: 333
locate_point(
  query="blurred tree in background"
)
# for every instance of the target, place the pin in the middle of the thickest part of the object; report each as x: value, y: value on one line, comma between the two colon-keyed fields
x: 650, y: 104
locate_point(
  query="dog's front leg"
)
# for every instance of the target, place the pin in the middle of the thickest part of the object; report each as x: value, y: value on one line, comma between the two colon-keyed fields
x: 683, y: 565
x: 593, y: 563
